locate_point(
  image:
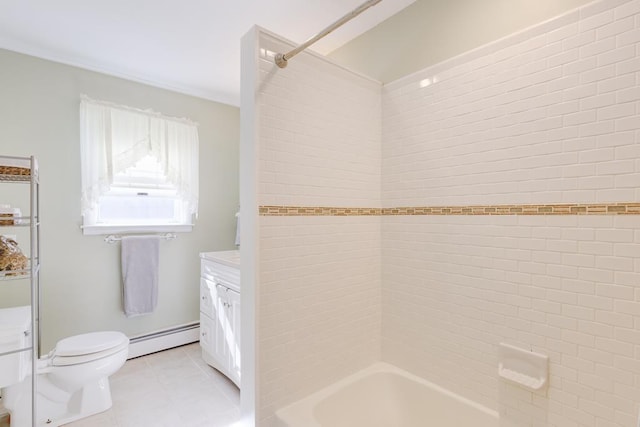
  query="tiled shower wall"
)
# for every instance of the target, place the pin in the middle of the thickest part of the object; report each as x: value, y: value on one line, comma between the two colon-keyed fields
x: 318, y: 317
x: 549, y: 115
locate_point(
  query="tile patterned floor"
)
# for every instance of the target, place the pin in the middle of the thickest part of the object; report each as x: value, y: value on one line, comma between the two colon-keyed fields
x: 173, y: 388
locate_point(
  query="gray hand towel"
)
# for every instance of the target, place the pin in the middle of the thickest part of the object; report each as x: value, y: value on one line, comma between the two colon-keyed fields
x: 140, y: 262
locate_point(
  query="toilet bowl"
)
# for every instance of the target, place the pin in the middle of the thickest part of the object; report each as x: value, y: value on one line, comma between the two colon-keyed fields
x: 73, y: 380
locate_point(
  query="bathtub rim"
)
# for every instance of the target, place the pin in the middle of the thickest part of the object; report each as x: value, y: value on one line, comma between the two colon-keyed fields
x: 302, y: 409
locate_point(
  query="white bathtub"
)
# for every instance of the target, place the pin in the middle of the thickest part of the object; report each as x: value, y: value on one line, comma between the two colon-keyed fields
x: 385, y: 396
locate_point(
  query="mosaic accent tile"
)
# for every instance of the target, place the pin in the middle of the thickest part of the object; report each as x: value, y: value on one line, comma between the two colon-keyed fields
x: 317, y: 211
x: 632, y: 208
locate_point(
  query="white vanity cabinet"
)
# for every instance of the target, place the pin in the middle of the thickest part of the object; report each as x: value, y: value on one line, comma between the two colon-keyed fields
x: 220, y: 312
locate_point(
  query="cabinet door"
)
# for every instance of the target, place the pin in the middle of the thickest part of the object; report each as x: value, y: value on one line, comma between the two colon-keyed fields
x: 233, y: 334
x: 221, y: 346
x: 206, y: 297
x: 206, y: 333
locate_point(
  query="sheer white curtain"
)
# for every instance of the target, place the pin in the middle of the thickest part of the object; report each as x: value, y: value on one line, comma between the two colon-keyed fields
x: 130, y: 138
x: 113, y: 138
x: 182, y: 163
x: 95, y: 153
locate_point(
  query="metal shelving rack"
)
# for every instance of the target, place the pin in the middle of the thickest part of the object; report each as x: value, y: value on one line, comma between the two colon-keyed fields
x: 20, y: 175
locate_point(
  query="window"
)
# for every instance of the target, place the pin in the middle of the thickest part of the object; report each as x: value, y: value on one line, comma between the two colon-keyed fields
x: 139, y: 170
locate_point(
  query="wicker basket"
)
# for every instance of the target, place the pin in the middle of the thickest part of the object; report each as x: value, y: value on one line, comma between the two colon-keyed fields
x: 11, y: 257
x: 9, y: 215
x: 14, y: 171
x: 7, y: 219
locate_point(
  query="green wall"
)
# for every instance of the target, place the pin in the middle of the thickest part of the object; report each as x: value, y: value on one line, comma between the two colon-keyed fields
x: 80, y: 276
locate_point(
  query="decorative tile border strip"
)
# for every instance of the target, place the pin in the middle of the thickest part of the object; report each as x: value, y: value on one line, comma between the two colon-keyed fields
x: 546, y: 209
x: 317, y: 211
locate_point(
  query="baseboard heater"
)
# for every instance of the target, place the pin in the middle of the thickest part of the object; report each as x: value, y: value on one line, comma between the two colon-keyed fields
x: 164, y: 339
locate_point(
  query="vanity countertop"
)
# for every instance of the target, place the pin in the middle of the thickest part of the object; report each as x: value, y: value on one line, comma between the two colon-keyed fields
x: 229, y: 258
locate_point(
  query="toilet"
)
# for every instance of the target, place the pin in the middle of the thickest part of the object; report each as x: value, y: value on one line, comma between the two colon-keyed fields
x: 73, y: 379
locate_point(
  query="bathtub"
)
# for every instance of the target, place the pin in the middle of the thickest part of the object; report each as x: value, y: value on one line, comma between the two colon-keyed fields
x: 383, y: 395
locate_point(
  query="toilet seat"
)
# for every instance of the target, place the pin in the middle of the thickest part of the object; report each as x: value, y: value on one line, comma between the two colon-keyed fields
x: 87, y: 347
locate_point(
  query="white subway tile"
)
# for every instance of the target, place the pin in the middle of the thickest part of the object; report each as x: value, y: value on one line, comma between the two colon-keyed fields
x: 617, y: 139
x: 606, y: 72
x: 614, y: 195
x: 599, y: 330
x: 614, y: 318
x: 627, y: 9
x: 578, y: 312
x: 595, y: 355
x: 596, y: 302
x: 628, y: 94
x: 578, y: 286
x: 627, y: 123
x: 565, y: 57
x: 579, y: 118
x: 616, y: 55
x: 629, y: 307
x: 595, y: 248
x: 617, y: 375
x: 595, y: 21
x: 597, y: 155
x: 579, y: 65
x: 598, y: 47
x: 562, y: 83
x: 564, y: 108
x: 579, y: 39
x: 582, y: 392
x: 578, y: 233
x: 614, y: 291
x: 630, y: 180
x: 579, y: 144
x: 628, y: 37
x: 581, y: 91
x: 614, y: 263
x: 626, y: 221
x: 599, y: 6
x: 563, y: 32
x: 579, y: 338
x: 614, y: 28
x: 592, y: 407
x: 629, y: 66
x: 627, y: 335
x: 598, y: 101
x: 599, y: 128
x: 617, y: 83
x: 577, y: 196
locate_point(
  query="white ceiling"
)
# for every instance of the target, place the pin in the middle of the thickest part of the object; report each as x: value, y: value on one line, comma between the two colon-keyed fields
x: 190, y: 46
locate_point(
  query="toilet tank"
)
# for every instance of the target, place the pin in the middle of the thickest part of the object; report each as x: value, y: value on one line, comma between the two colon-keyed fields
x: 15, y: 334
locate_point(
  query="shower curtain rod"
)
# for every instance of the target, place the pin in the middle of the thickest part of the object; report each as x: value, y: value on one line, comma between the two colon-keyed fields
x: 282, y: 58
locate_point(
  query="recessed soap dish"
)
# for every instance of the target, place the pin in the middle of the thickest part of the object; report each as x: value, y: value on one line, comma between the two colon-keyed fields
x: 523, y: 367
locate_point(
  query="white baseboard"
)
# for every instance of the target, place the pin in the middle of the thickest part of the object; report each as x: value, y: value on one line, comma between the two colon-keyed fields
x: 164, y: 339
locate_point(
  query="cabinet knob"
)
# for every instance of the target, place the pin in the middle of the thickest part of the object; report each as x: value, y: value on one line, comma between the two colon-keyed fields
x: 204, y: 334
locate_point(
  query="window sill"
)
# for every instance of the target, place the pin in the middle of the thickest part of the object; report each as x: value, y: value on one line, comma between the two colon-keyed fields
x: 93, y: 230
